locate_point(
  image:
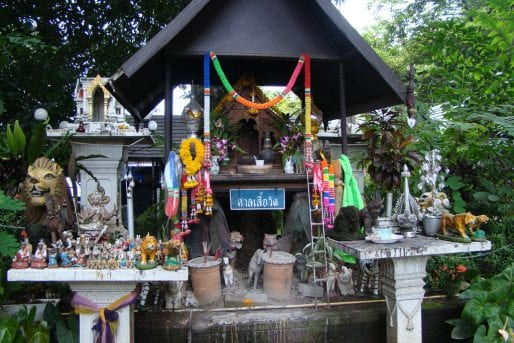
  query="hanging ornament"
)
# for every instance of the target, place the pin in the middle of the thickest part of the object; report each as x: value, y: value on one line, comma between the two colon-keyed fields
x: 191, y: 166
x: 209, y: 201
x: 316, y: 203
x: 183, y: 207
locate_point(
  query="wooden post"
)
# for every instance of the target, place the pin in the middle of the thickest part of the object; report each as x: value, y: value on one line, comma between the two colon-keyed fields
x: 168, y: 109
x: 342, y: 109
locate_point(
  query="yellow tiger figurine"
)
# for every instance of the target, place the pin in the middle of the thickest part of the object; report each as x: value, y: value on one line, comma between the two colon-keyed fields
x: 149, y: 247
x: 461, y: 222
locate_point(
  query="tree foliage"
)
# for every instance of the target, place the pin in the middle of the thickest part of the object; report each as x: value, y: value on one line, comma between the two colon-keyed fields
x: 463, y: 52
x: 46, y: 46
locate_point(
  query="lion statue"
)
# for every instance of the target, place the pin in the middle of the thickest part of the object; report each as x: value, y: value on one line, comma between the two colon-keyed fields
x: 149, y: 247
x: 46, y: 194
x: 461, y: 222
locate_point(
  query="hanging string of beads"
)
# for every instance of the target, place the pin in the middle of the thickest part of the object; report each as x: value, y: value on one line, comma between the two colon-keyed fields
x: 183, y: 218
x: 209, y: 201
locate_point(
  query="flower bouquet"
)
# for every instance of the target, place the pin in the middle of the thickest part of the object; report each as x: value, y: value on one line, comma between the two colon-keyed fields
x: 223, y: 136
x: 290, y: 133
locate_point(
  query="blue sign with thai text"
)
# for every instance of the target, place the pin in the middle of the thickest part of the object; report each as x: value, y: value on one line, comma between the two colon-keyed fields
x: 257, y: 199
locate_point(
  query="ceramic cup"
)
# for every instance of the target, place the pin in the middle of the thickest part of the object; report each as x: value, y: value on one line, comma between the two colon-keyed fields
x: 385, y: 233
x: 259, y: 163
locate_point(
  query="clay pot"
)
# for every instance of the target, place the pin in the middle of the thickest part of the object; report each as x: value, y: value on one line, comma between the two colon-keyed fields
x: 278, y: 273
x: 205, y: 279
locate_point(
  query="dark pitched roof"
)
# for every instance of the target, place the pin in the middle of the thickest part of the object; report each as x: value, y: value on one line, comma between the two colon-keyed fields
x: 146, y: 153
x: 263, y: 38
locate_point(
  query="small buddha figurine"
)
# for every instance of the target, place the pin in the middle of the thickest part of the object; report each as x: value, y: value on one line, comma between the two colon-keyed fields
x: 52, y: 257
x: 22, y: 258
x: 65, y: 258
x: 81, y: 127
x: 40, y: 256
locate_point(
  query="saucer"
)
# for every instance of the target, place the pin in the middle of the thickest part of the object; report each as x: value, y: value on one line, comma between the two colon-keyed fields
x: 394, y: 238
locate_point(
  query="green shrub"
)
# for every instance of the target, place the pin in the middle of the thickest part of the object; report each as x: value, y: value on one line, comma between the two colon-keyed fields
x: 23, y: 328
x: 489, y: 310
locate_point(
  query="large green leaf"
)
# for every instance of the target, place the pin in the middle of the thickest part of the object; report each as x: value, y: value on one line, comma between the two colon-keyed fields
x: 501, y: 286
x: 462, y: 329
x: 5, y: 334
x: 474, y: 311
x: 494, y: 324
x: 40, y: 335
x: 52, y: 315
x: 8, y: 244
x: 480, y: 335
x: 477, y: 287
x: 510, y: 308
x: 454, y: 182
x: 36, y: 142
x: 20, y: 138
x: 10, y: 204
x: 12, y: 143
x: 64, y: 334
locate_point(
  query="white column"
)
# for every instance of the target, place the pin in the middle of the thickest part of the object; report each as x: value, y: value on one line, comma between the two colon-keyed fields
x: 106, y: 170
x: 402, y: 285
x: 103, y: 294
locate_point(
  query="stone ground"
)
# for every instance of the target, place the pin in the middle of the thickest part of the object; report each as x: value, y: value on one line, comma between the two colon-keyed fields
x: 301, y: 293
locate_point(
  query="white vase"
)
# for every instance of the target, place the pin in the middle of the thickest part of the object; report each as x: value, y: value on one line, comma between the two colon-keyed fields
x: 215, y: 167
x: 289, y: 165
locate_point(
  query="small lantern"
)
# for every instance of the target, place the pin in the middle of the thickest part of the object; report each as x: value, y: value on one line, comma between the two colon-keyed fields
x: 40, y: 114
x: 192, y: 114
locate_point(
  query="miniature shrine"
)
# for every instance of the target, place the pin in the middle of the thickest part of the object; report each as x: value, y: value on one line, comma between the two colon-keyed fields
x: 265, y: 229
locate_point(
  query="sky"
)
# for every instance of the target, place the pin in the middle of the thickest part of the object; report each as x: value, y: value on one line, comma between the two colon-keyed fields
x: 355, y: 11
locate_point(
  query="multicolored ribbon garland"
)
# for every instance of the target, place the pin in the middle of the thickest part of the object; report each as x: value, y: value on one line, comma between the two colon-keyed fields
x: 106, y: 323
x: 248, y: 103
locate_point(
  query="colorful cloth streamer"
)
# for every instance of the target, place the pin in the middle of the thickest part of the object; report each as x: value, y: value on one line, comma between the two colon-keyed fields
x: 107, y: 321
x: 351, y: 195
x: 248, y: 103
x: 172, y: 186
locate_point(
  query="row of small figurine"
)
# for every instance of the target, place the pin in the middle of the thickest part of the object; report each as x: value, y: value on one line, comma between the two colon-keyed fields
x: 79, y: 253
x: 141, y: 253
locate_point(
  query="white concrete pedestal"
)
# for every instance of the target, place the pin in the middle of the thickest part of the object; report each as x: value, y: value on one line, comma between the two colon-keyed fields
x: 103, y: 287
x: 104, y: 294
x: 402, y: 269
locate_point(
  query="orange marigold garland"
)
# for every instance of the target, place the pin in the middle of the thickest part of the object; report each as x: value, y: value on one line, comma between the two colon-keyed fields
x: 192, y: 166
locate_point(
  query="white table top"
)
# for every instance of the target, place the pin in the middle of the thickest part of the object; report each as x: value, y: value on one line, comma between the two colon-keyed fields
x: 74, y: 274
x: 407, y: 247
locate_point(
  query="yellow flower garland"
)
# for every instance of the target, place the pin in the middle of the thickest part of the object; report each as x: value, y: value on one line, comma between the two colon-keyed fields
x: 192, y: 166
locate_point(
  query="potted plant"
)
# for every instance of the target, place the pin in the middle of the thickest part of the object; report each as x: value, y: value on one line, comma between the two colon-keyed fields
x: 387, y: 151
x: 223, y: 137
x: 290, y: 138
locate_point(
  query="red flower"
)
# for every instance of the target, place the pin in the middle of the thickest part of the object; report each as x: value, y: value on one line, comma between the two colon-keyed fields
x: 460, y: 268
